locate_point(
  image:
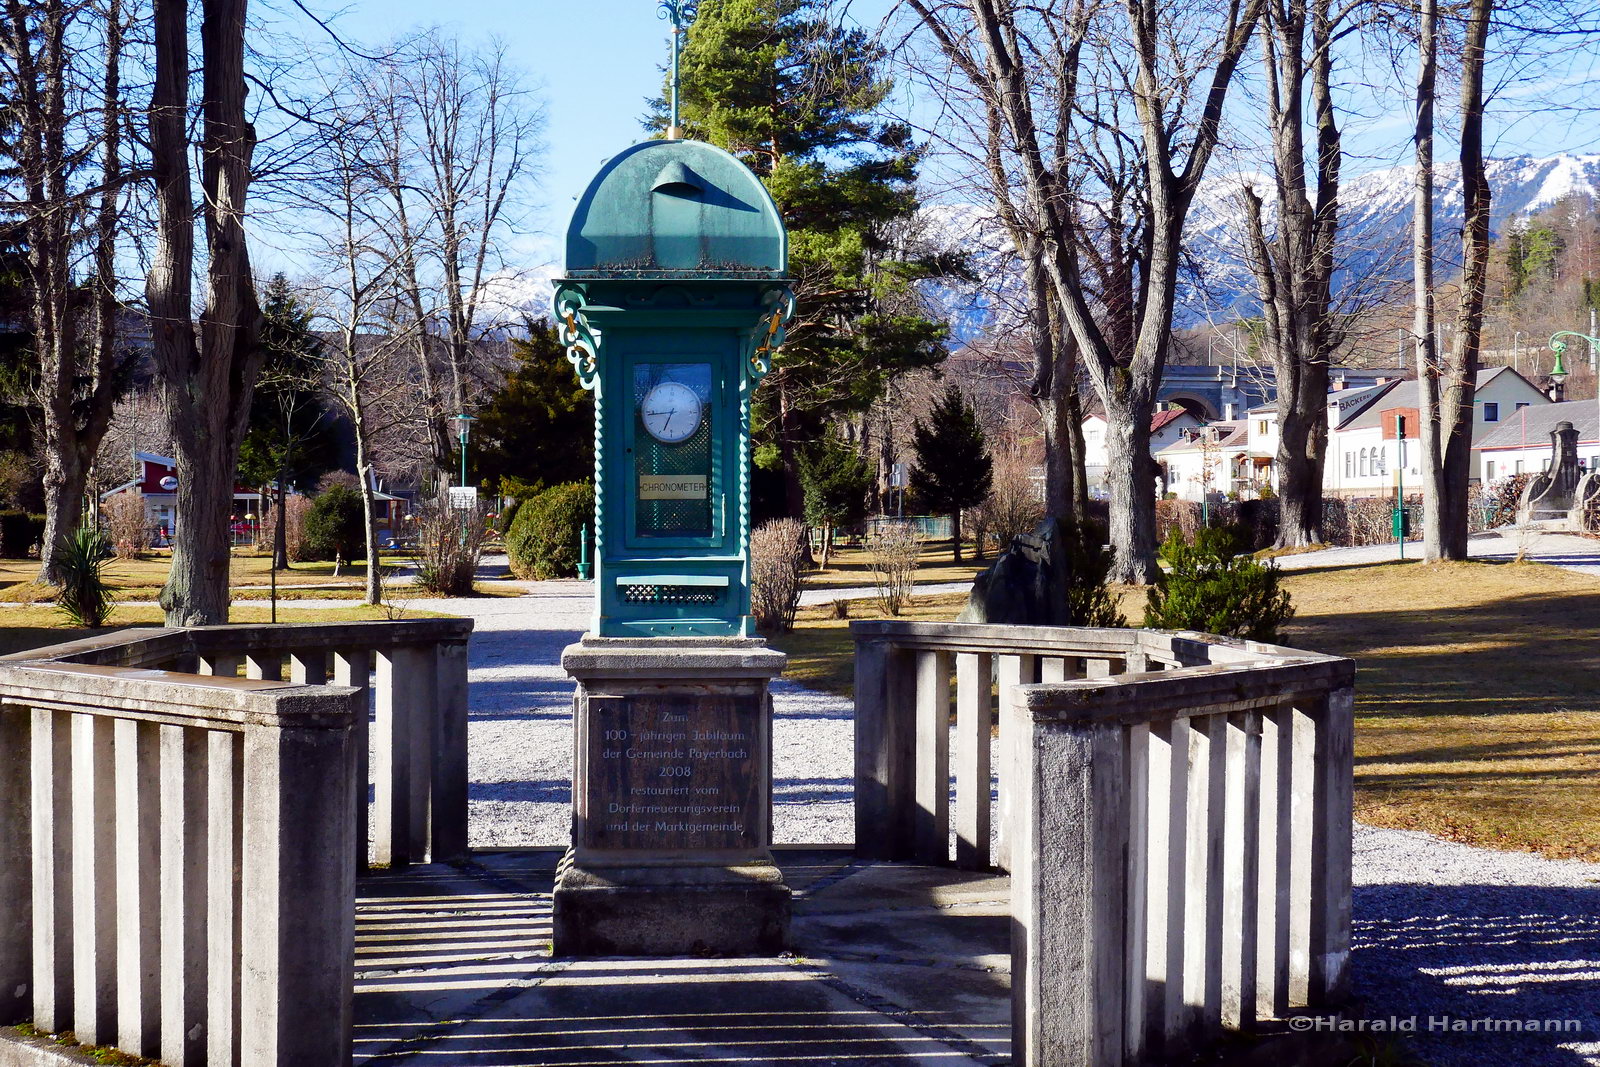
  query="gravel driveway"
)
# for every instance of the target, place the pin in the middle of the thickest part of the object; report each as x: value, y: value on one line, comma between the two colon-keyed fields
x: 1441, y: 929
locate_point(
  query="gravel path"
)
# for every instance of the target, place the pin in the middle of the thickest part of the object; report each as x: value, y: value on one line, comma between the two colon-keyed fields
x: 1539, y: 545
x: 1441, y: 929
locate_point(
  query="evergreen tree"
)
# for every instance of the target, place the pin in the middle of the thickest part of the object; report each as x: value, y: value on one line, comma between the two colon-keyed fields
x: 537, y: 430
x: 798, y: 98
x: 953, y: 468
x: 290, y: 439
x: 834, y: 480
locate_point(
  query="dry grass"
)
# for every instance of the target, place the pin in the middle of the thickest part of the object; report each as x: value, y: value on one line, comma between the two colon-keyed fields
x: 141, y: 579
x: 32, y: 627
x: 1478, y: 714
x: 851, y: 567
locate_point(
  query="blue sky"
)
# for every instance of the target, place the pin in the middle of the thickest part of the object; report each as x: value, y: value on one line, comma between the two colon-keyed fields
x: 599, y: 60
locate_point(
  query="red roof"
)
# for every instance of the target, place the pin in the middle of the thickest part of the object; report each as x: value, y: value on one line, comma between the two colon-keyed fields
x: 1164, y: 418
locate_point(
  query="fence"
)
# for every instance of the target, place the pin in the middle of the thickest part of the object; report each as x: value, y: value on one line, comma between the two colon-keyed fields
x: 1174, y: 809
x: 179, y: 844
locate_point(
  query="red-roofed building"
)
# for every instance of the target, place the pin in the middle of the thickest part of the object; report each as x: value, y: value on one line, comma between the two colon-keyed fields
x: 1166, y: 427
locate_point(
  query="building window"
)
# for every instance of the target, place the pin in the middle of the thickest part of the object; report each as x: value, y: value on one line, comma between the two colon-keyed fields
x: 1361, y: 469
x: 1491, y: 412
x: 1349, y: 464
x: 1519, y: 466
x: 1261, y: 426
x: 1521, y: 404
x: 1488, y: 471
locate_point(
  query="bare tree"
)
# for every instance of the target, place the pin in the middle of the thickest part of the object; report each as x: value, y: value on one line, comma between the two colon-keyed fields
x: 1109, y: 122
x: 207, y: 367
x: 66, y: 105
x: 460, y: 133
x: 1294, y: 264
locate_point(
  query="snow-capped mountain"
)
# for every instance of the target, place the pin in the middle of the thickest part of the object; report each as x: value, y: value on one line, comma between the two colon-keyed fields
x: 1375, y: 228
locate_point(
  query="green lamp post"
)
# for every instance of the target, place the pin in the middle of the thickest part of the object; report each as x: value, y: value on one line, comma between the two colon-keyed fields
x: 674, y: 299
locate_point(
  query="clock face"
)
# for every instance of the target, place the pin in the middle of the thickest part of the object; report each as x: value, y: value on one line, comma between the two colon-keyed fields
x: 671, y: 412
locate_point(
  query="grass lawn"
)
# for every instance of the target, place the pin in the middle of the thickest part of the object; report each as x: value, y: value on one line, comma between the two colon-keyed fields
x: 23, y: 628
x: 1478, y: 717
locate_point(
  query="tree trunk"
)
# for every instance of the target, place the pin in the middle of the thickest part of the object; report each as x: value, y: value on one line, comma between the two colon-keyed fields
x: 64, y: 485
x: 1457, y: 400
x: 1131, y: 476
x: 207, y: 380
x: 1435, y: 491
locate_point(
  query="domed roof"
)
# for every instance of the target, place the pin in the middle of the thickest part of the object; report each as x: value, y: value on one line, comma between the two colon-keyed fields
x: 666, y: 209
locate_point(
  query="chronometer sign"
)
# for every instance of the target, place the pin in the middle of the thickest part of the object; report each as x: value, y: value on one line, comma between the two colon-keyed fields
x: 672, y: 449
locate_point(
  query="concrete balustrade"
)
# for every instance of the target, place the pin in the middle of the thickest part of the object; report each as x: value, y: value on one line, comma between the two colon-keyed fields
x: 1174, y: 809
x: 179, y: 844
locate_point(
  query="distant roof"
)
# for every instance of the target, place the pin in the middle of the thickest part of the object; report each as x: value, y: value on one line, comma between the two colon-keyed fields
x: 1405, y: 395
x: 1233, y: 434
x: 1162, y: 419
x: 1532, y: 425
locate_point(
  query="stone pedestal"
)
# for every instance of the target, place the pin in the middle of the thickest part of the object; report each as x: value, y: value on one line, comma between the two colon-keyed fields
x: 671, y: 801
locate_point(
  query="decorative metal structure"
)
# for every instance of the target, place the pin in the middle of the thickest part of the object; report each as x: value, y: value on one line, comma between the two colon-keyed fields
x: 674, y: 300
x: 681, y: 13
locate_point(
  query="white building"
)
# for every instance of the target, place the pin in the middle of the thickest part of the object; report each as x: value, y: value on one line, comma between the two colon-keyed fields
x: 1367, y: 453
x: 1521, y: 443
x: 1166, y: 427
x: 1209, y: 463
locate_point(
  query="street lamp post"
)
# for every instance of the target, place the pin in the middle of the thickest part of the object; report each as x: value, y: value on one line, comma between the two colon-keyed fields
x: 463, y: 423
x: 1558, y: 345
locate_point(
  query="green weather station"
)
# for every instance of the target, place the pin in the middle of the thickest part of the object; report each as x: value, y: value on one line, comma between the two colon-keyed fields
x: 674, y: 299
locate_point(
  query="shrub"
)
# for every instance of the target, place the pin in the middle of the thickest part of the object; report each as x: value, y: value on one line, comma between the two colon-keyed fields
x: 895, y: 548
x: 85, y: 597
x: 336, y: 526
x: 20, y: 534
x: 1212, y: 587
x: 125, y: 518
x: 543, y: 542
x: 1090, y: 601
x: 508, y: 515
x: 296, y: 509
x: 777, y: 567
x: 449, y: 545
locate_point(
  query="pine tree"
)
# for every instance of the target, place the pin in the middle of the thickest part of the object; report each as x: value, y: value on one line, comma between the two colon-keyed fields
x: 290, y: 439
x: 537, y: 430
x: 953, y: 467
x: 835, y: 480
x: 797, y: 97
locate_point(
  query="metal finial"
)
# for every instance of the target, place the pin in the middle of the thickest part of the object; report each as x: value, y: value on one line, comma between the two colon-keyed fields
x: 680, y: 13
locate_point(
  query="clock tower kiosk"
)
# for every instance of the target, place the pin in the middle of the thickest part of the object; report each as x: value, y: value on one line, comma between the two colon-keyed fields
x: 673, y: 302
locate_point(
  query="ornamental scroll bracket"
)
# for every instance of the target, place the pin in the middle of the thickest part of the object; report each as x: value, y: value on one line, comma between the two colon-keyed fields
x: 777, y: 311
x: 576, y: 336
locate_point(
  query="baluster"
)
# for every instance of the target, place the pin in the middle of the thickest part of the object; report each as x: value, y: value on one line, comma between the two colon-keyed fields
x: 1241, y: 876
x: 221, y: 664
x: 309, y: 667
x: 420, y: 671
x: 1166, y: 943
x: 94, y: 881
x: 1302, y: 771
x: 448, y: 836
x: 402, y: 683
x: 974, y: 741
x: 1334, y: 719
x: 1202, y: 985
x: 16, y: 866
x: 354, y: 668
x: 1272, y: 917
x: 184, y: 875
x: 932, y: 764
x: 138, y: 878
x: 1013, y: 671
x: 264, y: 666
x: 224, y: 801
x: 1138, y: 801
x: 51, y: 802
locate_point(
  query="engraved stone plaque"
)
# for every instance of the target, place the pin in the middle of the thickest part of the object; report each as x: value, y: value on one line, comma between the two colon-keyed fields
x: 675, y: 771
